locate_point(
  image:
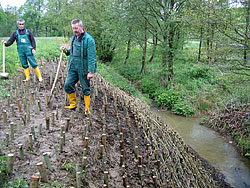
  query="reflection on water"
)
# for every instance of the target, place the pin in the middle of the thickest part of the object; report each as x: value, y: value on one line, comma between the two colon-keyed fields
x: 212, y: 147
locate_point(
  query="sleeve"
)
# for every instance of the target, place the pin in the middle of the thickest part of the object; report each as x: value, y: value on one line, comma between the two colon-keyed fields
x: 91, y: 53
x: 32, y: 39
x: 68, y: 52
x: 11, y: 39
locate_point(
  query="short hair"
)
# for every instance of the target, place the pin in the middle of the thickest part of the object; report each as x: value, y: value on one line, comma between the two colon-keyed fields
x: 76, y: 21
x: 20, y: 20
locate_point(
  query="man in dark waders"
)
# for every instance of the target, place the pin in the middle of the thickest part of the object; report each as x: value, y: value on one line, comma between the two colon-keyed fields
x: 81, y: 66
x: 26, y: 47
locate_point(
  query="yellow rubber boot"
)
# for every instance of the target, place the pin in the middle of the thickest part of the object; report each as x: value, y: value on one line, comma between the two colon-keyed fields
x: 72, y: 100
x: 27, y: 74
x: 87, y: 104
x: 37, y: 71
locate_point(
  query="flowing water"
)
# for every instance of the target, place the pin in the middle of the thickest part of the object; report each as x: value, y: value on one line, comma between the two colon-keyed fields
x: 212, y: 147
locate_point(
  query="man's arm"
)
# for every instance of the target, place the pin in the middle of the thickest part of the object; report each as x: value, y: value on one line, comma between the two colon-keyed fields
x: 32, y: 40
x: 11, y: 39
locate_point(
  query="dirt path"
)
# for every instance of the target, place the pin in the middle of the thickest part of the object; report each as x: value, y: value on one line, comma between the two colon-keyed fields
x: 132, y: 136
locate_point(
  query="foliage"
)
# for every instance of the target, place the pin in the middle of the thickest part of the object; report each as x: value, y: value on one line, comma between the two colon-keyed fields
x: 3, y: 165
x: 168, y: 98
x: 18, y: 183
x: 149, y: 86
x: 118, y: 81
x: 182, y: 108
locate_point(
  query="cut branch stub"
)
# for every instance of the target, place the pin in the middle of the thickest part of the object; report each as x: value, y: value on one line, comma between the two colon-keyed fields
x: 43, y: 174
x: 47, y: 123
x: 34, y: 181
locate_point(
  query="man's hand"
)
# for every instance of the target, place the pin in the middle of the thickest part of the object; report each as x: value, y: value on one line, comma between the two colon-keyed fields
x: 34, y: 51
x: 63, y: 49
x: 90, y: 75
x: 4, y: 42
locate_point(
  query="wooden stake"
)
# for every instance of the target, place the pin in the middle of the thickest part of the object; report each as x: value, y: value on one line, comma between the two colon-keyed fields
x: 10, y: 164
x: 12, y: 131
x: 30, y: 142
x: 61, y: 144
x: 136, y: 151
x: 67, y: 124
x: 19, y: 106
x: 121, y: 145
x: 139, y: 170
x: 43, y: 174
x: 4, y: 116
x: 85, y: 152
x: 39, y: 105
x: 125, y: 181
x: 86, y: 140
x: 123, y: 169
x: 139, y: 160
x: 47, y: 161
x: 62, y: 130
x: 64, y: 137
x: 102, y: 149
x: 84, y: 163
x: 21, y: 153
x: 7, y: 139
x: 121, y: 160
x: 34, y: 181
x: 155, y: 181
x: 106, y: 177
x: 33, y: 132
x: 47, y: 123
x: 78, y: 180
x: 104, y: 140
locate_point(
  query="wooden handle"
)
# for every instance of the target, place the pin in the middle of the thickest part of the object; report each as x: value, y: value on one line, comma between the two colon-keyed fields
x: 57, y: 72
x: 3, y: 57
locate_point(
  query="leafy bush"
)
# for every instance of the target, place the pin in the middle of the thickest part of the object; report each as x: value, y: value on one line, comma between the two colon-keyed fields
x: 18, y: 183
x: 199, y: 72
x: 149, y: 86
x: 3, y: 167
x: 168, y: 98
x: 182, y: 108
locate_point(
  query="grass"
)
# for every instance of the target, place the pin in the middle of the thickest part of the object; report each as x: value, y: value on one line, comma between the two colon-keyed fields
x: 201, y: 88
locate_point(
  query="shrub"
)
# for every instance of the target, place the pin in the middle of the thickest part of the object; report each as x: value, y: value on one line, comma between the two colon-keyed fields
x: 168, y: 98
x: 199, y: 72
x: 149, y: 86
x: 182, y: 108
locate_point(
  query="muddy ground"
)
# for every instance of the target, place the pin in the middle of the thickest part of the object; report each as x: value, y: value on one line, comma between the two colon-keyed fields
x: 65, y: 163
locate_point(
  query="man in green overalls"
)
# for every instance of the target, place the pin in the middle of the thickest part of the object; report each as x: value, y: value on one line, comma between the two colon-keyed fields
x: 26, y: 47
x: 81, y: 66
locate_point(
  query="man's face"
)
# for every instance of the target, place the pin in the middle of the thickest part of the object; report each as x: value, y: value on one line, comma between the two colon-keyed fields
x: 77, y: 29
x: 20, y: 25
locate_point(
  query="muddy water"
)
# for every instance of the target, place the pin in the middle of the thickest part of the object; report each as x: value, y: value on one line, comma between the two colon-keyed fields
x: 212, y: 147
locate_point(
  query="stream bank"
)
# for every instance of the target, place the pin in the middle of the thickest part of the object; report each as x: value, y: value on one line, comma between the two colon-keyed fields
x: 211, y: 146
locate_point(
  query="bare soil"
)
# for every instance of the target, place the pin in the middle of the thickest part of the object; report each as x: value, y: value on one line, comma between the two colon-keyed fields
x: 180, y: 166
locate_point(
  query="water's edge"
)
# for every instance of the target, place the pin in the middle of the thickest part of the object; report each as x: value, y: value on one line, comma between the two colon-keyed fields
x: 211, y: 146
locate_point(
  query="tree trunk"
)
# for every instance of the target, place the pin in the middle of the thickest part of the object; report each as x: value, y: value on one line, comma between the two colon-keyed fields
x: 46, y: 31
x: 164, y: 56
x: 246, y: 31
x: 199, y: 53
x: 171, y: 53
x: 144, y: 50
x: 128, y: 50
x: 154, y: 48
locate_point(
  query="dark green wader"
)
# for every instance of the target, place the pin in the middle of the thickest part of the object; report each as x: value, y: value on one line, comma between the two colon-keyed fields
x: 24, y: 50
x: 75, y: 72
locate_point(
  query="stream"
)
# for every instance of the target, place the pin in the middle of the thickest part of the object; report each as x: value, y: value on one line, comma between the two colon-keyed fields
x: 210, y: 146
